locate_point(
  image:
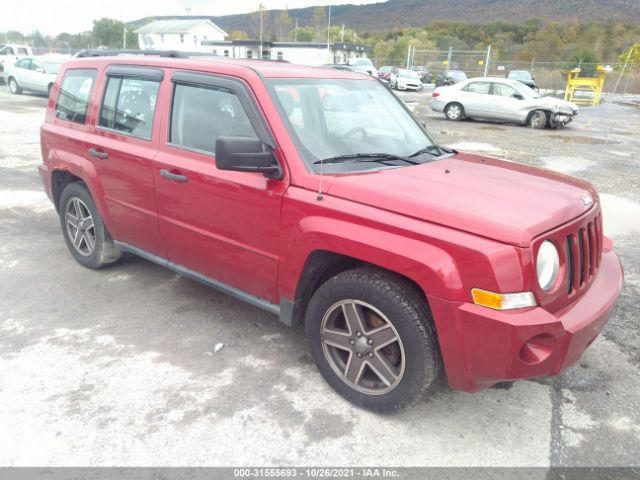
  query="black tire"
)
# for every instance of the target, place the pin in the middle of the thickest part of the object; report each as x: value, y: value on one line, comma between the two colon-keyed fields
x: 537, y: 119
x: 417, y: 362
x: 454, y: 111
x: 14, y: 87
x: 95, y: 248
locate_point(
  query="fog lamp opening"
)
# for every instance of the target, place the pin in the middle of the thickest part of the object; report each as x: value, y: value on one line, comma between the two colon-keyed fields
x: 537, y: 349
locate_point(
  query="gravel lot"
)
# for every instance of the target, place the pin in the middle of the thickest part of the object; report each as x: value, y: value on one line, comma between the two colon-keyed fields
x: 137, y: 366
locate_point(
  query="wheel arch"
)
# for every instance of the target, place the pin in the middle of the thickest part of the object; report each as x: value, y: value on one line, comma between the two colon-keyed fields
x: 425, y: 267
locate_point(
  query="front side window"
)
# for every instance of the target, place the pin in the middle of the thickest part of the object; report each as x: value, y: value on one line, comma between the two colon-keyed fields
x: 36, y: 66
x: 74, y: 95
x: 478, y: 87
x: 24, y: 63
x: 129, y: 105
x: 336, y: 117
x: 22, y: 51
x: 201, y: 114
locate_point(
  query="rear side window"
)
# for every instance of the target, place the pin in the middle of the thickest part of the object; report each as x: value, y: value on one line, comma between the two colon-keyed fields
x: 74, y: 95
x: 478, y: 87
x: 129, y: 105
x: 201, y: 114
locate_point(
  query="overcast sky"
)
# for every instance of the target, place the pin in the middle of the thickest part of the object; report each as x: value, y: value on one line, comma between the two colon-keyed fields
x: 54, y: 16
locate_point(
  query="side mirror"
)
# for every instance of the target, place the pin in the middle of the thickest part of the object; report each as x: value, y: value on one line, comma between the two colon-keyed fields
x: 518, y: 96
x: 246, y: 154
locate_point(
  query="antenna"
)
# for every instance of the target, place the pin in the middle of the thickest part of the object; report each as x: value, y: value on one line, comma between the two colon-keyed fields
x: 326, y: 72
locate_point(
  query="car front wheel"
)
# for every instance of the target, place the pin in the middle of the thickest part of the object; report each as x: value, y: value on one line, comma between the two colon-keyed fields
x: 537, y: 119
x: 454, y: 111
x: 84, y: 231
x: 14, y: 87
x: 372, y: 338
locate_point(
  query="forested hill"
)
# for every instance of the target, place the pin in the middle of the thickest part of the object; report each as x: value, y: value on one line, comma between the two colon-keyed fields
x: 416, y: 13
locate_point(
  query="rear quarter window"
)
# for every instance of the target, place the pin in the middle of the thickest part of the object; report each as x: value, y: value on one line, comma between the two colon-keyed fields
x: 75, y: 92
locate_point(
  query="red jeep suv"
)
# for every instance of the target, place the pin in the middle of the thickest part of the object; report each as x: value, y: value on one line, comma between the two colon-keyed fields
x: 316, y: 195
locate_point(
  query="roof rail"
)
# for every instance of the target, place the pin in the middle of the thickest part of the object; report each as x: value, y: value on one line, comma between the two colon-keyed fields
x: 161, y: 53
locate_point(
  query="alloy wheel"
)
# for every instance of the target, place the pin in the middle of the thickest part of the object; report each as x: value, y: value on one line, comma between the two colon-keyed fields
x: 80, y: 226
x: 362, y: 347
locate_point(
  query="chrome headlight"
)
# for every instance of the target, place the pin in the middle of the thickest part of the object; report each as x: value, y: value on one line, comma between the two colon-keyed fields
x: 547, y: 265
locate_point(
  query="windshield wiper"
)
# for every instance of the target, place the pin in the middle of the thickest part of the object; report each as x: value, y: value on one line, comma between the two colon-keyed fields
x: 432, y: 149
x: 365, y: 157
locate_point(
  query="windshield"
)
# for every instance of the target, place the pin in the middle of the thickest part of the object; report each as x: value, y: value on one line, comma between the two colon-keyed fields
x: 409, y: 74
x: 53, y: 67
x: 458, y: 76
x: 335, y: 117
x: 362, y: 62
x: 527, y: 91
x: 520, y: 75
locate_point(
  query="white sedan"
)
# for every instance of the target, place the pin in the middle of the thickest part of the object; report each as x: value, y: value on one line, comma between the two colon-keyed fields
x: 33, y: 74
x: 501, y: 99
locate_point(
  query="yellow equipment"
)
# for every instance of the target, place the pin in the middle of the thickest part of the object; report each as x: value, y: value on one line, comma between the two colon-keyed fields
x: 575, y: 83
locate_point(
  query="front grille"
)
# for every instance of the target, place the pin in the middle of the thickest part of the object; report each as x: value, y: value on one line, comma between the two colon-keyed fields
x: 583, y: 250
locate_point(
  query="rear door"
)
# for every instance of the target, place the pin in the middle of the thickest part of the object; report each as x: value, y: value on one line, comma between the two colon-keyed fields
x: 222, y: 224
x: 475, y: 99
x: 21, y: 70
x: 121, y: 146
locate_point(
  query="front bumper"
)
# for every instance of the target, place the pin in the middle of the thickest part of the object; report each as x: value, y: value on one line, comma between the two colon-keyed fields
x: 481, y: 347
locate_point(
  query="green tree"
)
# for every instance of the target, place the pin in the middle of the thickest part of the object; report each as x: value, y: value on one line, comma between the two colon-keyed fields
x: 586, y: 60
x: 319, y: 22
x: 284, y: 25
x: 108, y: 32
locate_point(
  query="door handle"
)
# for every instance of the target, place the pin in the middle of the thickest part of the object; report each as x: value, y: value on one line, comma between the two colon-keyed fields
x: 176, y: 177
x: 94, y: 152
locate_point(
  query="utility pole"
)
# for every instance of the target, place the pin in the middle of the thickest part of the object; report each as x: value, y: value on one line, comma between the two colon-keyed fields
x: 261, y: 8
x: 342, y: 38
x: 486, y: 63
x: 295, y: 31
x: 124, y: 38
x: 329, y: 27
x: 449, y: 58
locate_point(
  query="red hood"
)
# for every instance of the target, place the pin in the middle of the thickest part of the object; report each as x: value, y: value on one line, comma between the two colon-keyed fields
x: 505, y: 201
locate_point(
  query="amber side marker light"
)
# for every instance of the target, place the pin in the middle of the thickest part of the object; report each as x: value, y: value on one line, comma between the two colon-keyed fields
x: 503, y: 301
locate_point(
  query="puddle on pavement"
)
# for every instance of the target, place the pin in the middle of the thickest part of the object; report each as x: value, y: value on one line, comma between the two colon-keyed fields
x: 582, y: 140
x: 619, y: 215
x: 568, y: 165
x: 475, y: 147
x: 491, y: 127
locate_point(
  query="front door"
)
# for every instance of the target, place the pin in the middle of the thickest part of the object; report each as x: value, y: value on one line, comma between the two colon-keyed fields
x: 505, y: 102
x: 222, y: 224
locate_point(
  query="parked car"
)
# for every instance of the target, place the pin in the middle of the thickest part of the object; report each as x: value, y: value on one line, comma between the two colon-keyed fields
x: 523, y: 76
x: 402, y: 257
x: 35, y: 74
x: 9, y: 53
x: 384, y: 72
x: 450, y: 77
x: 500, y: 99
x: 424, y: 72
x: 363, y: 64
x: 403, y: 79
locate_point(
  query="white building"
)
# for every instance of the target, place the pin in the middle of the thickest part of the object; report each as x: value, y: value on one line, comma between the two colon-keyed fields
x: 302, y: 53
x: 185, y: 35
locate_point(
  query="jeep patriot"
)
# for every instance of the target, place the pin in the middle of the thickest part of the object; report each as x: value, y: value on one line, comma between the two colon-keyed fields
x: 316, y: 195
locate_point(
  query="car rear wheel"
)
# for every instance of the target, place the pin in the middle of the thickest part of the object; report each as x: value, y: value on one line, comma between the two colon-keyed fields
x: 537, y: 119
x: 454, y: 111
x: 14, y: 87
x: 84, y: 231
x: 372, y: 338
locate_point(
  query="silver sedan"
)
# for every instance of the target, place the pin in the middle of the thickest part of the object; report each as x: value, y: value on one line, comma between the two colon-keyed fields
x: 32, y: 74
x: 501, y: 99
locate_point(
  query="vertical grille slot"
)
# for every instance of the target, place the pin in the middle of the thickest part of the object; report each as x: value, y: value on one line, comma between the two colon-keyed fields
x: 581, y: 256
x: 570, y: 262
x: 592, y: 248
